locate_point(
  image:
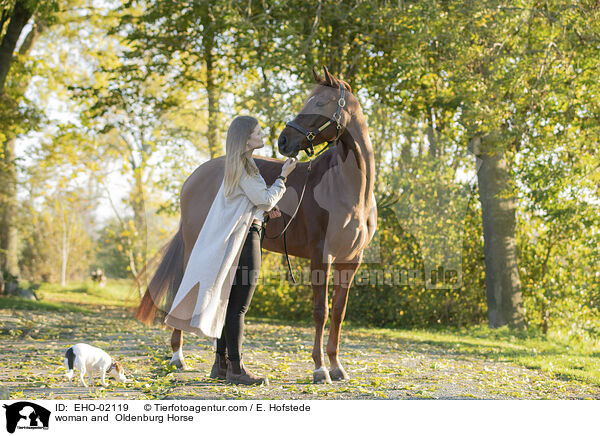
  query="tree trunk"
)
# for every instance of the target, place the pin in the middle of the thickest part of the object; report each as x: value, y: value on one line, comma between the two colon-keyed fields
x: 266, y: 94
x: 272, y: 138
x: 503, y: 285
x: 8, y: 233
x: 213, y: 108
x: 139, y: 247
x: 9, y: 209
x: 65, y: 245
x: 208, y: 44
x: 20, y: 16
x: 37, y: 28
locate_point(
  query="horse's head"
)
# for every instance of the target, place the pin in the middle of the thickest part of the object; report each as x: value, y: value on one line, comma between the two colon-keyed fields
x: 323, y: 118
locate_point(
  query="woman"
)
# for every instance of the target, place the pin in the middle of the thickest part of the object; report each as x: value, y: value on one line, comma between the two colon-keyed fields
x: 219, y: 308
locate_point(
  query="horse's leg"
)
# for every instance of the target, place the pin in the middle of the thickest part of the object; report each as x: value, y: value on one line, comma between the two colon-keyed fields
x: 176, y: 343
x: 319, y: 279
x: 343, y: 276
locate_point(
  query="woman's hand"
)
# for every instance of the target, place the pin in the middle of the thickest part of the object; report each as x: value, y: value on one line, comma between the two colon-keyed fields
x: 288, y: 166
x: 274, y: 213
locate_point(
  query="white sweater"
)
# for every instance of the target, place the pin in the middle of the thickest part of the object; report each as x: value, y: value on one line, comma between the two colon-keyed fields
x: 259, y: 214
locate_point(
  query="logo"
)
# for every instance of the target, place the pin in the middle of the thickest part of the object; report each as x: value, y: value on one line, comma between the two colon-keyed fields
x: 26, y: 415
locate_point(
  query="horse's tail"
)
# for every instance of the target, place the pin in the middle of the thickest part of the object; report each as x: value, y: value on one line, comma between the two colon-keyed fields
x: 165, y: 280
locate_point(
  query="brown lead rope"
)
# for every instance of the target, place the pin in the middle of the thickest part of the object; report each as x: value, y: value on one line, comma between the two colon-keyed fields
x: 310, y: 136
x: 284, y: 231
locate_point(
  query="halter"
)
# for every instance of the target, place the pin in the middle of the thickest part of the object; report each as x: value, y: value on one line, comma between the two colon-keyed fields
x: 335, y: 118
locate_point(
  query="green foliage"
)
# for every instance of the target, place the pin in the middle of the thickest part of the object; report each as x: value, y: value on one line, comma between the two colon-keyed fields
x: 111, y: 255
x: 380, y: 295
x: 282, y: 300
x: 54, y: 239
x: 152, y: 85
x: 398, y: 297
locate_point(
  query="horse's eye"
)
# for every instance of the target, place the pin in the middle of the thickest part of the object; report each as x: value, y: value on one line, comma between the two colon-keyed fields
x: 322, y: 103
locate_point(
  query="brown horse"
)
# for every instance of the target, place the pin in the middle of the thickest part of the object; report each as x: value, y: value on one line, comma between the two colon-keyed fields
x: 334, y: 224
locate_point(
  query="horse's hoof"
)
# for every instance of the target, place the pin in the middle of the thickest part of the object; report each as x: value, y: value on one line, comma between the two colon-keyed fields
x: 321, y: 375
x: 338, y: 373
x: 178, y: 360
x: 179, y: 364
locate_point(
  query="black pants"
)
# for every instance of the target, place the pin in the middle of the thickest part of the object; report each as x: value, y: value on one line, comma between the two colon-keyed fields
x: 243, y: 287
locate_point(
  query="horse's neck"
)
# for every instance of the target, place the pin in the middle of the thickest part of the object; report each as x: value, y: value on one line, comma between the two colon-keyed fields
x: 356, y: 171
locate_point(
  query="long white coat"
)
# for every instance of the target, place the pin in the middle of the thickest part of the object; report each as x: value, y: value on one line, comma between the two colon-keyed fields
x: 200, y: 303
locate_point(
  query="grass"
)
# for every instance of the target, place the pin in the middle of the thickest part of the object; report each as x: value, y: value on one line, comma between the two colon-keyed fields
x: 557, y: 355
x: 560, y: 356
x: 385, y: 362
x: 16, y: 303
x: 116, y: 293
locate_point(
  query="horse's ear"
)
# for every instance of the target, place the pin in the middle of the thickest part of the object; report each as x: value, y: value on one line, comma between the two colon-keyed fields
x: 345, y: 84
x: 328, y: 77
x: 318, y: 78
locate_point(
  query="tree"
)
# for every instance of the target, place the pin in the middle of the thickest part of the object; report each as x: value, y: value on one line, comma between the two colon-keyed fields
x: 189, y: 47
x: 18, y: 15
x: 498, y: 209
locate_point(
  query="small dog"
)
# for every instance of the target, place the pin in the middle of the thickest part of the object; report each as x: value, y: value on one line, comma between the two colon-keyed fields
x: 87, y: 359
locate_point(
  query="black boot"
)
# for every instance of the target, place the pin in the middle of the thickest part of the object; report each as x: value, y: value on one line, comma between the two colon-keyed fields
x: 237, y: 374
x: 219, y: 368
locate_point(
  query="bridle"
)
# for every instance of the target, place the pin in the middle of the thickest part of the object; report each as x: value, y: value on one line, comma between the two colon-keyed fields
x: 335, y: 118
x: 310, y: 136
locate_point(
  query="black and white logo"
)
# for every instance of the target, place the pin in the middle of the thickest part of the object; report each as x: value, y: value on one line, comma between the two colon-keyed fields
x: 26, y: 415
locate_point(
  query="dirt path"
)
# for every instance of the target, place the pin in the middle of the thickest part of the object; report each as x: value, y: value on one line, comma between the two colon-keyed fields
x: 32, y: 345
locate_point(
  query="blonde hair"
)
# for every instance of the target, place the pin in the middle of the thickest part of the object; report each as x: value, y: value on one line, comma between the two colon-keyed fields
x: 237, y: 156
